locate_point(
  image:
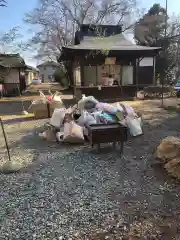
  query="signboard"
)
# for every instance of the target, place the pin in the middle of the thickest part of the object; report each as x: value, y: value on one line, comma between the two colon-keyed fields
x: 147, y: 61
x: 110, y: 61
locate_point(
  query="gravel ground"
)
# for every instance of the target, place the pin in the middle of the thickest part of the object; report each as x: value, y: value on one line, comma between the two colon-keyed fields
x: 75, y: 193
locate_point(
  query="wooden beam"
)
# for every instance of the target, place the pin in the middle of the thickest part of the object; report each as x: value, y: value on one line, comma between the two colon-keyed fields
x: 137, y: 71
x: 97, y: 75
x: 154, y: 70
x: 82, y: 72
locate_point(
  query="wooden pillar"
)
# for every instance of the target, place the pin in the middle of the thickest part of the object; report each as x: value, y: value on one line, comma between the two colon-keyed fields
x: 97, y: 75
x: 20, y: 81
x: 82, y: 72
x: 134, y: 64
x: 154, y: 70
x: 137, y: 72
x: 121, y: 75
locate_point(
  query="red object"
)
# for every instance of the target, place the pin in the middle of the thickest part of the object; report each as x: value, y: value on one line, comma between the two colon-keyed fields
x: 49, y: 98
x: 104, y: 75
x: 2, y: 88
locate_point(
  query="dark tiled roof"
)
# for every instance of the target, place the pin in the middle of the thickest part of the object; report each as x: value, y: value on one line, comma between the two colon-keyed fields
x: 115, y: 42
x: 12, y: 60
x: 97, y: 30
x: 89, y: 30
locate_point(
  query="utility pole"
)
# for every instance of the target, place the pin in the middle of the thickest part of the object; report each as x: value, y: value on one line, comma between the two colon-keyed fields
x: 166, y: 18
x: 74, y: 26
x: 66, y: 26
x: 165, y: 34
x: 177, y: 56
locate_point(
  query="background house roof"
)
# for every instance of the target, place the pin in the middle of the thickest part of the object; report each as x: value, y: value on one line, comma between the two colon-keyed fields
x: 48, y: 63
x: 32, y: 69
x: 12, y: 61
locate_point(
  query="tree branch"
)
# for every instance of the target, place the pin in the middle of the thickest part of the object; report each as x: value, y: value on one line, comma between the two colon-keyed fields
x: 3, y: 3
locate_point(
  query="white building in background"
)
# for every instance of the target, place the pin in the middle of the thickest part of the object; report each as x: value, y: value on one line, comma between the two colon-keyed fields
x: 47, y: 70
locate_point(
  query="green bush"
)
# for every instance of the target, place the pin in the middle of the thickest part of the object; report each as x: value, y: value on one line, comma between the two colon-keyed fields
x: 60, y: 76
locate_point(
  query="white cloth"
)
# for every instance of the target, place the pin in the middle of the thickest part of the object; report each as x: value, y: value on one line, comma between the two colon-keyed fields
x: 110, y: 81
x: 86, y: 119
x: 73, y: 133
x: 97, y: 115
x: 84, y: 100
x: 134, y: 126
x: 57, y: 117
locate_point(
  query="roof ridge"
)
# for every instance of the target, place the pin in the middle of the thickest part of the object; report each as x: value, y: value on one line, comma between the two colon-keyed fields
x: 9, y: 54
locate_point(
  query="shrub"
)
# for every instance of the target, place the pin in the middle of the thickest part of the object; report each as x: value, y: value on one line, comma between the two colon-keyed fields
x: 60, y: 76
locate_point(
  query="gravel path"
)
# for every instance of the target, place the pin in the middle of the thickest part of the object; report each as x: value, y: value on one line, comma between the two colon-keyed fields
x: 75, y: 193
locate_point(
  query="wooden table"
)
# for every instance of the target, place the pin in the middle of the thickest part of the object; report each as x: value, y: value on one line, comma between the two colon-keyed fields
x: 104, y: 133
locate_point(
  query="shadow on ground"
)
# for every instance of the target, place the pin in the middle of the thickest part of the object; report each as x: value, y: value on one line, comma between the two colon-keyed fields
x: 13, y: 107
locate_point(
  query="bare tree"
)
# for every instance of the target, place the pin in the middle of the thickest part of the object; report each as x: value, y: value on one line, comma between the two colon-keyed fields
x: 3, y: 3
x: 10, y: 41
x: 56, y: 21
x: 173, y: 33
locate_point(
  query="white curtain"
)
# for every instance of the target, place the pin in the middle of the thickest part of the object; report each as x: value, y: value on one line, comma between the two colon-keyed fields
x: 127, y: 75
x: 77, y: 76
x: 89, y: 75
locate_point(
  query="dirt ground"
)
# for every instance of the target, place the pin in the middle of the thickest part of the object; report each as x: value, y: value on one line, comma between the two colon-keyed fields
x: 132, y: 197
x: 13, y: 105
x: 44, y: 87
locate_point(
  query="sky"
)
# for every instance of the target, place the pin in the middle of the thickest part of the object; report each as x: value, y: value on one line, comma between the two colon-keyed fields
x: 173, y: 5
x: 13, y: 15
